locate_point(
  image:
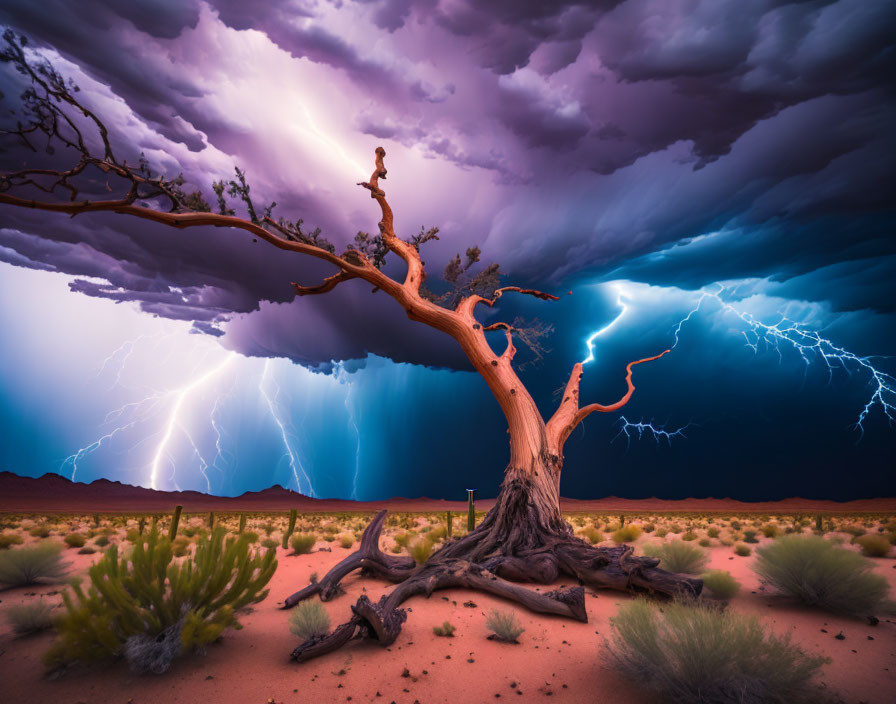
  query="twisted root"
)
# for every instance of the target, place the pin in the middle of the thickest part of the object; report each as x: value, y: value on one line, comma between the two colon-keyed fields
x: 599, y: 567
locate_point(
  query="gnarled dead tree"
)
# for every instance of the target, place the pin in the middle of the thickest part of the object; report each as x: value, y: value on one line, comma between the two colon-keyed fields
x: 524, y: 538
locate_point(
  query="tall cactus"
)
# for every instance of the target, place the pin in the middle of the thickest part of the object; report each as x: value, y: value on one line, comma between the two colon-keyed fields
x: 818, y: 525
x: 141, y: 525
x: 290, y: 528
x: 449, y: 519
x: 471, y: 511
x: 175, y: 520
x: 211, y: 520
x: 242, y: 522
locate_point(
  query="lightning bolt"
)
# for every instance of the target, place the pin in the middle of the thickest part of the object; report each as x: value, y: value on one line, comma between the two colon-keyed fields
x: 811, y: 346
x: 295, y: 463
x: 658, y: 432
x: 179, y: 396
x: 589, y: 343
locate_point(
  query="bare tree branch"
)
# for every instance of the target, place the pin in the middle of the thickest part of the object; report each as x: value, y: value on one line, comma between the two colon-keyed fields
x: 568, y: 415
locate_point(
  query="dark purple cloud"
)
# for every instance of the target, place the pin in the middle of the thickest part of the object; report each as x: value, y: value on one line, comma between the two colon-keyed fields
x: 570, y: 140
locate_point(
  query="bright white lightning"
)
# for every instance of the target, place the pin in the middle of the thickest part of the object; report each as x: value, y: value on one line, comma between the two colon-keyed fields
x: 295, y: 463
x: 332, y: 147
x: 589, y: 343
x: 811, y: 346
x: 180, y: 395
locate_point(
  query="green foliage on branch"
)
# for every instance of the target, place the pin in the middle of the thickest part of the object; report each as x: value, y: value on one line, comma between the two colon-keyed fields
x: 149, y: 608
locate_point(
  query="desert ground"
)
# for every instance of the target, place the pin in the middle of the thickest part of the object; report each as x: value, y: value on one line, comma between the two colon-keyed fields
x: 554, y: 657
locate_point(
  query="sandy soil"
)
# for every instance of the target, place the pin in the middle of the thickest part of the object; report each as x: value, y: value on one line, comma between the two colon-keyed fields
x: 555, y: 658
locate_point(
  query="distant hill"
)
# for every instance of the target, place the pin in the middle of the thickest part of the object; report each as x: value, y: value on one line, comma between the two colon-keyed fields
x: 54, y: 493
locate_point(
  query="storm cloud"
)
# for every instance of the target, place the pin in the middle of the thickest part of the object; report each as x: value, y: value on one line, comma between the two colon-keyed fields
x: 677, y: 144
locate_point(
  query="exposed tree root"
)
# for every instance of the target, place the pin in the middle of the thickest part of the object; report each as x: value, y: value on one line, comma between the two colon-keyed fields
x: 484, y: 561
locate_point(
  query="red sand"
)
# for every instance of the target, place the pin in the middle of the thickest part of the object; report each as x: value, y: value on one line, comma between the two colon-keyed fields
x: 555, y: 657
x: 54, y: 493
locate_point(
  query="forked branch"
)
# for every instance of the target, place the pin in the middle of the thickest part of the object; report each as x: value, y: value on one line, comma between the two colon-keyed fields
x: 569, y: 414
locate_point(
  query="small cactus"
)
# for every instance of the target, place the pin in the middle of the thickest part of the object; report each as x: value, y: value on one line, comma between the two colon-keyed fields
x: 175, y: 520
x: 290, y: 528
x: 471, y: 511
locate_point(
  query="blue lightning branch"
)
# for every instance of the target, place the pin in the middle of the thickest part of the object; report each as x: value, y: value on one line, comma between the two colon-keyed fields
x: 658, y: 432
x: 811, y: 346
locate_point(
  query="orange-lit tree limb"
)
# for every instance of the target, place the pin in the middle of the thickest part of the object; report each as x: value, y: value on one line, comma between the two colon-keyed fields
x: 568, y: 415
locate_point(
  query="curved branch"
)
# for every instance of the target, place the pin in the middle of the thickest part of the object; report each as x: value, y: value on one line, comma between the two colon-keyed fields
x: 415, y: 276
x: 510, y: 350
x: 568, y: 415
x: 468, y: 304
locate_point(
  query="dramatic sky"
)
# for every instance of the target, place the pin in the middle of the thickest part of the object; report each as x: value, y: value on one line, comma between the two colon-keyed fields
x: 726, y: 163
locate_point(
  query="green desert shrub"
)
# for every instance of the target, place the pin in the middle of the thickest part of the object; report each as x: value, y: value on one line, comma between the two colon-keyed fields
x: 678, y: 556
x: 661, y: 532
x: 504, y: 625
x: 873, y: 545
x: 40, y: 531
x: 346, y: 540
x: 420, y: 549
x: 720, y: 583
x: 101, y: 541
x: 626, y: 534
x: 149, y: 608
x: 689, y: 535
x: 591, y: 534
x: 302, y: 543
x: 22, y: 567
x: 819, y: 573
x: 402, y: 539
x: 697, y: 654
x: 446, y: 630
x: 27, y: 619
x: 250, y: 536
x: 75, y: 540
x: 270, y: 543
x: 712, y: 532
x: 770, y: 530
x: 704, y: 542
x: 9, y: 539
x: 181, y: 546
x: 87, y: 550
x: 309, y: 620
x: 742, y: 550
x: 750, y: 536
